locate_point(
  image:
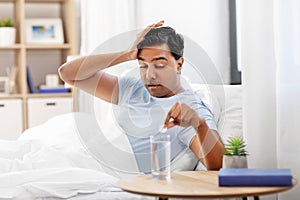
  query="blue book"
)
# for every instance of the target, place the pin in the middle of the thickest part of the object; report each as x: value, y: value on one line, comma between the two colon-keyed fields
x: 54, y: 90
x: 30, y: 81
x: 254, y: 177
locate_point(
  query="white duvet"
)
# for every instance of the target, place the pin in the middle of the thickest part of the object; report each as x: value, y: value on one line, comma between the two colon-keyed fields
x: 49, y: 162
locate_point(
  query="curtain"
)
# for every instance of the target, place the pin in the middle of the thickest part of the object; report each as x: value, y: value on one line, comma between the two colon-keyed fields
x: 100, y: 21
x: 270, y: 58
x: 287, y: 53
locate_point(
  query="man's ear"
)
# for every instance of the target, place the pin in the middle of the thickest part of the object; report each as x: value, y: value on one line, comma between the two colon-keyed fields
x: 179, y: 64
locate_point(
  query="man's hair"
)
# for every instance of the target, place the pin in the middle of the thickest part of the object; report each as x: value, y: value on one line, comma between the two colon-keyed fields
x: 163, y: 35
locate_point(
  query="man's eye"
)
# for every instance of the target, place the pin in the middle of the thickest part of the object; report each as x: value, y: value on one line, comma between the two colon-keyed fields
x: 143, y: 66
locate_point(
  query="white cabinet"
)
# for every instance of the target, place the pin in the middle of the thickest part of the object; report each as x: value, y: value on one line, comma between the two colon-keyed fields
x: 42, y: 109
x: 11, y: 118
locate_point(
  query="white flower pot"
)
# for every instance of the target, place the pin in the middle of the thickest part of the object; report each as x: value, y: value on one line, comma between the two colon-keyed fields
x: 235, y: 162
x: 7, y: 36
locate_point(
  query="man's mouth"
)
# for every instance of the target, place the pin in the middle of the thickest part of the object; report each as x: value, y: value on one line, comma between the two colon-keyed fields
x: 153, y: 86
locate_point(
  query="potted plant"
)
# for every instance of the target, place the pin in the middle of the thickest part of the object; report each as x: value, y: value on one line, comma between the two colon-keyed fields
x: 7, y: 32
x: 235, y: 155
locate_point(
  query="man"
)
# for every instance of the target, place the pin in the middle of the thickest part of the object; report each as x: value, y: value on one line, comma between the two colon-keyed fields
x: 156, y: 100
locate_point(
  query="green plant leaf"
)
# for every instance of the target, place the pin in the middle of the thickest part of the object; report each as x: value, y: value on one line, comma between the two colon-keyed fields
x: 235, y: 146
x: 6, y: 22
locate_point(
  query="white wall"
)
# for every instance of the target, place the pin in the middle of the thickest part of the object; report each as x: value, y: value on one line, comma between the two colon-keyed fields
x: 204, y: 22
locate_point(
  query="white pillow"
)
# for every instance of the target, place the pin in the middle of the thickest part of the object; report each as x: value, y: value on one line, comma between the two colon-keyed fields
x: 230, y: 123
x: 225, y: 101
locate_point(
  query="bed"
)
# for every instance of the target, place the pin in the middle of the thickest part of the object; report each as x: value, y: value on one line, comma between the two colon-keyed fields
x: 51, y: 161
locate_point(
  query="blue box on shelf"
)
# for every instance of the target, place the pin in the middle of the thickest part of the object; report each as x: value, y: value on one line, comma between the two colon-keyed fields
x: 59, y: 89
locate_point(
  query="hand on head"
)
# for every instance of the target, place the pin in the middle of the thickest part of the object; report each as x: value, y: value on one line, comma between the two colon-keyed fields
x: 133, y: 50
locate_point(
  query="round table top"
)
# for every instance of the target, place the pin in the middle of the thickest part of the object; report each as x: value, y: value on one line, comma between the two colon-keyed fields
x: 192, y: 184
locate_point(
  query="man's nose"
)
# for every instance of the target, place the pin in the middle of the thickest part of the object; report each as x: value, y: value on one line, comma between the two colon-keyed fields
x: 151, y: 73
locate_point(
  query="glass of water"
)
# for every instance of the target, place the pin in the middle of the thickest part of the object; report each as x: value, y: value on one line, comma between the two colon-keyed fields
x: 160, y: 156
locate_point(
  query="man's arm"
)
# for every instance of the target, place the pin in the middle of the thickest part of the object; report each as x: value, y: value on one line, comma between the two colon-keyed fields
x: 85, y: 73
x: 206, y: 144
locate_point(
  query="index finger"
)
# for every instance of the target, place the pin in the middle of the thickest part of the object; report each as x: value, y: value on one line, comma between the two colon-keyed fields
x: 170, y: 118
x: 148, y: 28
x: 160, y: 23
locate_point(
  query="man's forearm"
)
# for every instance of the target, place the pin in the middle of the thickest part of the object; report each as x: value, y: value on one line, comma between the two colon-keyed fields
x: 86, y: 66
x: 212, y: 148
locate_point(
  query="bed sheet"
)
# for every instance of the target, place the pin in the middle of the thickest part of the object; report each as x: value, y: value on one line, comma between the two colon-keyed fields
x: 50, y: 162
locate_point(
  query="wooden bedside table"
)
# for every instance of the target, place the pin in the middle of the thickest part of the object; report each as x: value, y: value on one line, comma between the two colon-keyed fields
x: 192, y: 184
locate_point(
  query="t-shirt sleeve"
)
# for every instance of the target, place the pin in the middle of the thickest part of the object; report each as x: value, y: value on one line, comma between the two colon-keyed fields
x: 208, y: 116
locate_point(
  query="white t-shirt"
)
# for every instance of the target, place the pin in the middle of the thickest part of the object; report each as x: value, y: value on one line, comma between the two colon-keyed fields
x: 140, y: 115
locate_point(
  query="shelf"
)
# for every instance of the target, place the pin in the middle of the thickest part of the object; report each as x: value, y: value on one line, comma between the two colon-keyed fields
x: 12, y: 47
x: 47, y: 46
x: 11, y: 96
x: 44, y: 1
x: 3, y: 1
x: 36, y: 46
x: 37, y: 95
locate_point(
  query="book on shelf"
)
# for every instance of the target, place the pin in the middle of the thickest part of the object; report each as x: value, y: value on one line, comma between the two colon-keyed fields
x: 254, y: 177
x: 57, y: 89
x: 29, y: 81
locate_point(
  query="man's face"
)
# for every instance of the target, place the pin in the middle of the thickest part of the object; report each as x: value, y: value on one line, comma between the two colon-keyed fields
x: 159, y: 70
